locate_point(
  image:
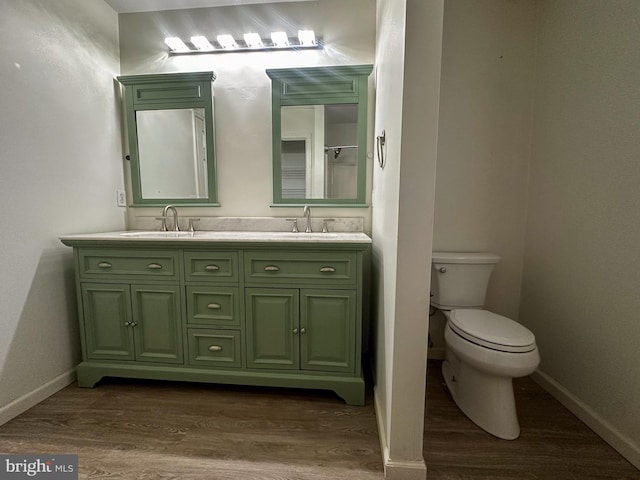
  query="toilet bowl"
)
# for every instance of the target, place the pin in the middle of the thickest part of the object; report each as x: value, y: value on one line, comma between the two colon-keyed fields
x: 484, y: 351
x: 478, y: 369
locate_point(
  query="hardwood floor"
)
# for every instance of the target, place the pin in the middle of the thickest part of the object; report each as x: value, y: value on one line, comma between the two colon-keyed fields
x: 131, y: 429
x: 553, y: 443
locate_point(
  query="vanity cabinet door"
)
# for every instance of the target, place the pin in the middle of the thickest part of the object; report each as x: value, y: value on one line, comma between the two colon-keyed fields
x: 272, y: 325
x: 307, y: 329
x: 107, y: 319
x: 132, y: 322
x: 157, y: 323
x: 327, y: 330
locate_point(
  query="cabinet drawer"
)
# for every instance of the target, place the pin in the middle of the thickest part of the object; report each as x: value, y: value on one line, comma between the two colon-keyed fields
x: 330, y: 268
x: 213, y: 306
x: 118, y: 263
x: 216, y: 348
x: 211, y: 266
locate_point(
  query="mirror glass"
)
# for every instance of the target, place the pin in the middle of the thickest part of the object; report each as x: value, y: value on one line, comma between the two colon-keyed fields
x: 172, y: 151
x: 319, y: 151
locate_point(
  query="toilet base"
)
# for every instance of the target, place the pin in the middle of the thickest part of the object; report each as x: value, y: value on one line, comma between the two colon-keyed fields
x: 487, y: 400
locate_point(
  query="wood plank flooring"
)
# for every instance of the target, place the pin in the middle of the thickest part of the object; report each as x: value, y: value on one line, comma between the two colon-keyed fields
x: 553, y: 443
x: 131, y: 429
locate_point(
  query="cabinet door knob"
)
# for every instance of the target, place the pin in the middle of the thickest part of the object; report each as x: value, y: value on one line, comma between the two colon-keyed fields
x: 328, y: 269
x: 215, y: 348
x: 295, y: 331
x: 104, y: 265
x: 214, y: 306
x: 211, y: 268
x: 303, y: 330
x: 154, y: 266
x: 271, y: 268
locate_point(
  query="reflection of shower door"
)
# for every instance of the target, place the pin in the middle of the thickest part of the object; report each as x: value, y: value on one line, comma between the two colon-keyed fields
x: 201, y: 156
x: 342, y: 173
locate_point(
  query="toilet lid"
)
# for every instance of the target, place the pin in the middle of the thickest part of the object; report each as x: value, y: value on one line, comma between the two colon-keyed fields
x: 492, y: 330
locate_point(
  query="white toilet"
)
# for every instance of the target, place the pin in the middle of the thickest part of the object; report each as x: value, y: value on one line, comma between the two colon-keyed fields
x: 484, y: 350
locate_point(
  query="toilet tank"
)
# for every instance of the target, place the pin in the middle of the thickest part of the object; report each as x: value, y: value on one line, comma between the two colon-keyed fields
x: 460, y: 279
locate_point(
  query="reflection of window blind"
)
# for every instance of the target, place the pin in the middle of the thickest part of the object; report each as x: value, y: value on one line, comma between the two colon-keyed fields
x: 293, y: 165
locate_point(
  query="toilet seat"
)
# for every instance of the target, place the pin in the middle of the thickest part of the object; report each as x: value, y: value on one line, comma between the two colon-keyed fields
x: 491, y: 330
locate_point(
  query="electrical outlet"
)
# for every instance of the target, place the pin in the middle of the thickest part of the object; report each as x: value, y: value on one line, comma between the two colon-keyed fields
x: 121, y: 198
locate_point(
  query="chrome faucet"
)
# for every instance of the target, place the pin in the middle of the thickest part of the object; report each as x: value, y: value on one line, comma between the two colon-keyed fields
x: 307, y: 214
x: 165, y: 210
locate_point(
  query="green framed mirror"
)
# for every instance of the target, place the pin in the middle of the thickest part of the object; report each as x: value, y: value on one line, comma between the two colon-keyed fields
x: 170, y: 129
x: 319, y: 127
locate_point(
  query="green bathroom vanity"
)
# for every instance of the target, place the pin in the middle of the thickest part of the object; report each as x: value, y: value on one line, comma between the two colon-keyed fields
x: 251, y: 308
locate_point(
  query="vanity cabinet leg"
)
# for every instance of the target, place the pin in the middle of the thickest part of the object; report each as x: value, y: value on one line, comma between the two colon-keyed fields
x: 351, y: 393
x: 87, y: 376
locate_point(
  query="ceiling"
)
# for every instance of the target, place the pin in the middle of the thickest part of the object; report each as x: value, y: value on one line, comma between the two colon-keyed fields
x: 129, y: 6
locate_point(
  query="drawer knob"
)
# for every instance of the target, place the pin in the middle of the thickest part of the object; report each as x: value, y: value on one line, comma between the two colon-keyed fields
x: 104, y: 265
x: 211, y: 268
x: 214, y: 306
x: 215, y: 348
x: 271, y: 268
x: 154, y: 266
x: 328, y: 269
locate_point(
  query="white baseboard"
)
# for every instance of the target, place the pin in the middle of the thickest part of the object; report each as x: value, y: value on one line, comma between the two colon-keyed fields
x: 624, y: 445
x: 25, y: 402
x: 393, y: 469
x: 404, y: 470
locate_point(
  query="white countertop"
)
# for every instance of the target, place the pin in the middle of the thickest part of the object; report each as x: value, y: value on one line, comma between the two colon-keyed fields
x: 222, y: 236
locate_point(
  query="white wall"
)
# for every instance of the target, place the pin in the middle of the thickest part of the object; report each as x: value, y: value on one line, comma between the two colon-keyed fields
x: 484, y: 141
x: 243, y: 90
x: 60, y: 165
x: 581, y: 281
x: 408, y: 55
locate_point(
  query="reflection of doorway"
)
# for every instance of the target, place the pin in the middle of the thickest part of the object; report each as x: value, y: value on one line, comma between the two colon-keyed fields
x: 306, y: 122
x: 295, y: 157
x: 200, y: 157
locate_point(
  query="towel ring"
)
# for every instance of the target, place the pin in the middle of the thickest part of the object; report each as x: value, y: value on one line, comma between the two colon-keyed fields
x: 381, y: 140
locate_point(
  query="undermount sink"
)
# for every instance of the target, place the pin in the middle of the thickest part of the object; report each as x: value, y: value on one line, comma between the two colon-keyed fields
x: 158, y: 234
x: 223, y: 234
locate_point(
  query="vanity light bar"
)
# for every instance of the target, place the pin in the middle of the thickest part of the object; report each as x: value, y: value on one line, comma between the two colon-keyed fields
x: 251, y: 42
